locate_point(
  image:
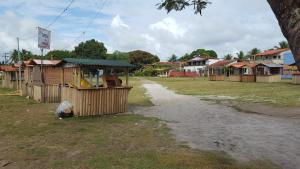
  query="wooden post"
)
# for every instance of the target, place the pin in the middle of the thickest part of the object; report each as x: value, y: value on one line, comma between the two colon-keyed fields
x: 126, y: 73
x: 90, y: 78
x: 97, y: 83
x: 62, y: 76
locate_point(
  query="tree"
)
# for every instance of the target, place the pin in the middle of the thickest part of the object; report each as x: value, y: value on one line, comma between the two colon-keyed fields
x: 24, y: 54
x: 185, y: 57
x: 58, y: 54
x: 282, y: 45
x: 228, y: 57
x: 253, y: 52
x: 203, y: 52
x: 140, y: 58
x: 117, y: 55
x: 241, y: 55
x: 173, y: 58
x: 287, y: 13
x: 90, y: 49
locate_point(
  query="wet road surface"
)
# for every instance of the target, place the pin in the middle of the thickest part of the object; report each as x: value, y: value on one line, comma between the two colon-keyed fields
x: 207, y: 126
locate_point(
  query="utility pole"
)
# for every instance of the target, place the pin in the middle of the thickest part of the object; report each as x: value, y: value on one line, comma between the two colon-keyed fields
x: 19, y: 58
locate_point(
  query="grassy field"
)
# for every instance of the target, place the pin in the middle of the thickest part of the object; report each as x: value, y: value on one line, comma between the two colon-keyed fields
x: 137, y: 95
x: 31, y: 137
x: 280, y: 94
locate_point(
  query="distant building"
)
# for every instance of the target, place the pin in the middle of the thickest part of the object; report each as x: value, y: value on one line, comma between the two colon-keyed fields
x: 199, y: 65
x: 276, y: 56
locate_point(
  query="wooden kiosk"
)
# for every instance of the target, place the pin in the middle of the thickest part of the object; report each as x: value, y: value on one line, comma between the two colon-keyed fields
x: 217, y: 71
x: 91, y: 97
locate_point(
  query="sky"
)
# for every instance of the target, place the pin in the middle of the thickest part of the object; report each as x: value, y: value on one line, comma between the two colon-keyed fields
x: 126, y: 25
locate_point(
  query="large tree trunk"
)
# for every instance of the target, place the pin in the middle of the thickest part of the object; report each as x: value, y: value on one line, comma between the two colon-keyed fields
x: 287, y: 13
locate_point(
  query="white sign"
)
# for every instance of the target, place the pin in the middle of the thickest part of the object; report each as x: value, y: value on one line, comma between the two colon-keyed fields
x: 44, y: 37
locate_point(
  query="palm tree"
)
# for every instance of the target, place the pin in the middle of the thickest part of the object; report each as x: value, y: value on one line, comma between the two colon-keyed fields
x: 282, y: 45
x: 253, y: 52
x: 228, y: 57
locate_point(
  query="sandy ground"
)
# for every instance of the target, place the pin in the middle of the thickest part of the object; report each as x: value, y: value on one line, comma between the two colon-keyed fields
x: 206, y: 125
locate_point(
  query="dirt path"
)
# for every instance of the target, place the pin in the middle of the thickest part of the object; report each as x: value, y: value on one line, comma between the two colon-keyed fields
x: 208, y: 126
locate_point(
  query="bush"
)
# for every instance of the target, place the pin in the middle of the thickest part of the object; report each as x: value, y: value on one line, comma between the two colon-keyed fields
x: 147, y: 72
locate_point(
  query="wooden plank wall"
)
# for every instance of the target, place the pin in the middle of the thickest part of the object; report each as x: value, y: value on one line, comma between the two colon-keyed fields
x: 296, y: 79
x: 216, y: 77
x: 235, y: 78
x: 52, y: 75
x: 248, y: 78
x: 68, y: 75
x: 52, y: 93
x: 97, y: 102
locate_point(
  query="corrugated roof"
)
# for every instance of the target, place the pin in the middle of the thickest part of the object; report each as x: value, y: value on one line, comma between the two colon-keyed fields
x: 47, y: 62
x: 271, y: 65
x: 272, y: 52
x: 8, y: 68
x: 198, y: 59
x: 98, y: 62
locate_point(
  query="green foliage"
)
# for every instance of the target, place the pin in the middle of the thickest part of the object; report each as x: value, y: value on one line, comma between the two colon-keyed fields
x: 228, y: 57
x: 58, y: 54
x: 282, y: 45
x: 117, y: 55
x: 24, y: 54
x: 149, y: 71
x: 91, y: 49
x: 140, y: 58
x: 253, y: 52
x: 201, y: 52
x: 173, y: 58
x: 179, y: 5
x: 241, y: 55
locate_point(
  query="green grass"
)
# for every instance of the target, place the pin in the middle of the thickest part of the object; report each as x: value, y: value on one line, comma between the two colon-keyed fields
x: 31, y: 137
x: 137, y: 95
x: 280, y: 94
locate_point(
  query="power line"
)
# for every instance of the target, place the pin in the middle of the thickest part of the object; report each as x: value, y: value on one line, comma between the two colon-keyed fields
x: 88, y: 25
x: 54, y: 21
x: 58, y: 16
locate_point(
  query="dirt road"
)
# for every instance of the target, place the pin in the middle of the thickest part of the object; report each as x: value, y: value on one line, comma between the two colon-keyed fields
x: 208, y: 126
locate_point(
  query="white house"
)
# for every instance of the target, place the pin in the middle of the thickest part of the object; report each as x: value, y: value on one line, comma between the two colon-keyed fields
x: 199, y: 64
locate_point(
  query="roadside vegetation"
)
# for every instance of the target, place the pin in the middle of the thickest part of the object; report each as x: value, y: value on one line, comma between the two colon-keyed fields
x: 31, y: 137
x: 277, y: 94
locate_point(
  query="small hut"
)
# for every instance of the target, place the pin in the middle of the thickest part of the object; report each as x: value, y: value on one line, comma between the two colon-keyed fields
x: 43, y: 80
x: 296, y: 78
x: 10, y: 76
x: 242, y: 72
x: 268, y: 73
x: 249, y: 72
x: 217, y: 71
x: 236, y: 71
x: 95, y: 88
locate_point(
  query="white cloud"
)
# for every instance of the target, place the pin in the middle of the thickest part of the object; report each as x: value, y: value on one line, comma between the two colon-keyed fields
x: 170, y: 25
x: 117, y: 22
x: 225, y: 26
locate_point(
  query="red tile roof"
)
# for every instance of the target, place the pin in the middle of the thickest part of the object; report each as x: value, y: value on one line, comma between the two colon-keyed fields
x: 8, y: 68
x: 220, y: 63
x: 272, y: 52
x: 243, y: 64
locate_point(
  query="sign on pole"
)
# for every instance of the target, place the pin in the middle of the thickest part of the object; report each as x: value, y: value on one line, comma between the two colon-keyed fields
x: 44, y: 38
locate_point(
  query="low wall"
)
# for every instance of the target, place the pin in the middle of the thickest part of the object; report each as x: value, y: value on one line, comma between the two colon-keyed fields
x: 183, y: 74
x: 296, y: 79
x: 235, y: 78
x: 248, y: 78
x: 47, y: 93
x: 268, y: 79
x: 216, y: 77
x: 95, y: 102
x: 9, y: 84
